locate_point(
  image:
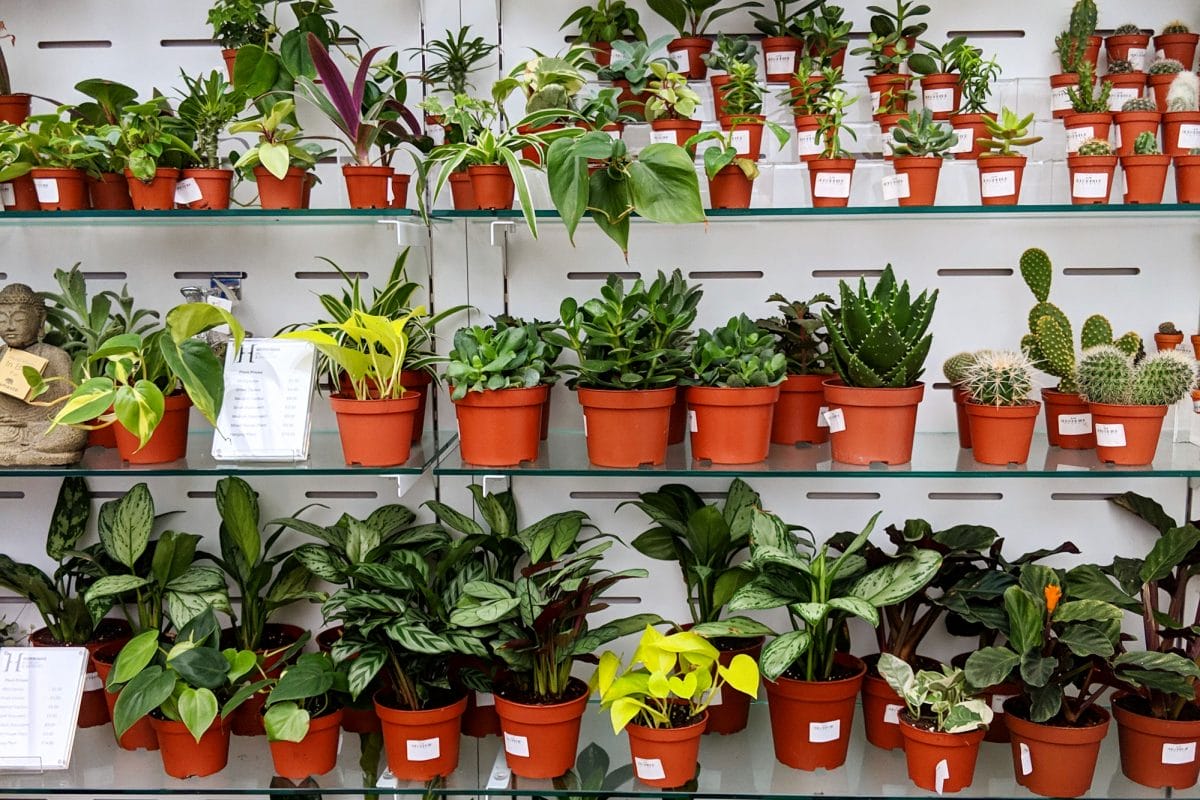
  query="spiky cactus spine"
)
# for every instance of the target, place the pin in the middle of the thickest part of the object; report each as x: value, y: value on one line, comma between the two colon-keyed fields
x: 1140, y: 104
x: 956, y: 366
x: 1146, y: 144
x: 1165, y: 66
x: 1105, y: 375
x: 1128, y: 29
x: 1000, y: 378
x: 1120, y: 66
x: 1184, y: 94
x: 1084, y: 96
x: 1084, y: 15
x: 1095, y: 147
x: 1163, y: 379
x: 1176, y: 26
x: 1167, y: 328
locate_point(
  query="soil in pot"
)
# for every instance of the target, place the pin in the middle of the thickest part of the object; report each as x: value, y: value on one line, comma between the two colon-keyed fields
x: 626, y: 427
x: 168, y: 442
x: 493, y: 186
x: 1145, y: 178
x: 811, y: 720
x: 960, y: 417
x: 109, y: 192
x: 420, y: 745
x: 874, y: 424
x: 666, y: 757
x: 367, y: 187
x: 730, y: 188
x: 246, y: 719
x: 274, y: 193
x: 139, y: 737
x: 1187, y: 179
x: 687, y: 52
x: 1068, y: 421
x: 798, y: 416
x: 213, y: 184
x: 829, y: 181
x: 1000, y: 180
x: 157, y: 194
x: 540, y: 740
x: 939, y: 762
x: 183, y: 756
x: 93, y: 711
x: 673, y: 131
x: 376, y: 433
x: 921, y: 177
x: 1158, y: 753
x: 1051, y: 760
x: 941, y: 94
x: 731, y: 426
x: 501, y: 427
x: 60, y: 189
x: 14, y: 108
x: 1131, y: 124
x: 1127, y: 435
x: 1002, y: 434
x: 19, y: 194
x: 1091, y: 179
x: 731, y: 712
x: 400, y: 182
x: 315, y: 754
x: 462, y: 193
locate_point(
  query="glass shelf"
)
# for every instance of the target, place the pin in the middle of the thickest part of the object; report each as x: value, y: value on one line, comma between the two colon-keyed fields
x: 324, y: 458
x: 232, y: 216
x: 935, y: 455
x: 738, y: 766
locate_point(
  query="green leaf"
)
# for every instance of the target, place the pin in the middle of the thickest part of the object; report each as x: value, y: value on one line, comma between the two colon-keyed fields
x: 569, y: 181
x: 459, y: 522
x: 113, y: 585
x: 69, y: 520
x: 1084, y: 641
x: 139, y: 408
x: 1036, y: 669
x: 134, y: 657
x: 664, y: 185
x: 200, y: 370
x: 1087, y: 611
x: 125, y: 524
x: 145, y: 692
x: 237, y: 505
x: 1170, y: 549
x: 898, y: 580
x: 783, y: 651
x: 990, y: 666
x: 201, y: 666
x: 1025, y: 616
x: 275, y: 158
x: 286, y: 722
x: 255, y: 71
x: 197, y: 710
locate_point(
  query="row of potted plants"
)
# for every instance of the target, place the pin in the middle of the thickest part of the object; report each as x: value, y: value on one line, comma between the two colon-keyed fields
x: 423, y: 620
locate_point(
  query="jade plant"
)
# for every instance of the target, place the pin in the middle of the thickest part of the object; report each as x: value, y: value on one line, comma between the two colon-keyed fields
x: 783, y: 19
x: 825, y: 33
x: 738, y: 354
x: 943, y: 60
x: 731, y: 50
x: 801, y: 333
x: 606, y: 21
x: 919, y: 136
x: 1107, y: 375
x: 497, y: 357
x: 831, y: 118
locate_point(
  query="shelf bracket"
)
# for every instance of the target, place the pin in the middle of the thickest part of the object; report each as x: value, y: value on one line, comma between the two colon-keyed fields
x: 504, y: 479
x: 404, y: 483
x: 408, y: 234
x: 504, y: 226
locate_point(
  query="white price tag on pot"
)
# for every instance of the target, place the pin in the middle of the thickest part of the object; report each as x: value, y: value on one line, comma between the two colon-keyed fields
x: 939, y: 101
x: 649, y: 769
x: 1137, y: 57
x: 683, y: 61
x: 966, y: 140
x: 1059, y: 99
x: 806, y: 144
x: 92, y: 682
x: 663, y: 137
x: 585, y: 424
x: 832, y: 184
x: 836, y: 420
x: 875, y: 102
x: 781, y: 63
x: 1119, y: 97
x: 891, y: 714
x: 1089, y: 185
x: 484, y: 699
x: 1026, y: 759
x: 1189, y: 136
x: 1077, y: 136
x: 1110, y: 435
x: 516, y: 745
x: 941, y: 773
x: 47, y: 189
x: 187, y: 191
x: 998, y: 184
x: 821, y: 421
x: 1074, y: 424
x: 424, y: 749
x: 693, y: 422
x: 391, y: 193
x: 1181, y: 753
x: 895, y: 187
x: 741, y: 143
x: 7, y: 195
x: 819, y: 732
x: 998, y: 701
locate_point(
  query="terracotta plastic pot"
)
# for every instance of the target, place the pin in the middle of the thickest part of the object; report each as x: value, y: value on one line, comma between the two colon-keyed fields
x: 886, y: 92
x: 315, y: 754
x: 1002, y: 434
x: 376, y: 433
x: 60, y: 189
x: 1179, y: 46
x: 960, y: 416
x: 1050, y: 760
x: 462, y: 192
x: 718, y: 84
x: 139, y: 737
x: 1125, y: 87
x: 926, y: 751
x: 1091, y: 53
x: 1181, y: 132
x: 631, y: 103
x: 1000, y: 179
x: 731, y: 712
x: 246, y: 719
x: 665, y: 757
x: 1127, y: 435
x: 996, y: 697
x: 881, y: 707
x: 1195, y: 338
x: 679, y: 419
x: 626, y: 427
x: 1131, y: 124
x: 1068, y: 421
x: 601, y: 53
x: 367, y: 187
x: 877, y: 424
x: 1060, y: 102
x: 183, y: 756
x: 19, y: 194
x: 829, y: 181
x: 479, y: 720
x: 687, y: 52
x: 1145, y: 178
x: 14, y: 108
x: 493, y: 186
x: 229, y: 56
x: 418, y: 381
x: 747, y: 134
x: 501, y: 427
x: 1082, y: 127
x: 544, y: 432
x: 673, y: 131
x: 798, y: 90
x: 779, y: 56
x: 811, y: 720
x: 215, y: 185
x: 1118, y: 47
x: 1158, y: 753
x: 887, y: 124
x: 93, y: 711
x: 540, y: 741
x: 730, y: 188
x: 798, y: 412
x: 922, y: 179
x: 971, y: 130
x: 731, y: 426
x: 103, y: 437
x: 808, y: 127
x: 109, y: 192
x: 420, y: 745
x: 400, y: 182
x: 1091, y: 179
x: 1187, y: 179
x: 168, y: 442
x: 1160, y: 87
x: 942, y: 94
x: 274, y: 193
x: 156, y: 195
x: 529, y: 153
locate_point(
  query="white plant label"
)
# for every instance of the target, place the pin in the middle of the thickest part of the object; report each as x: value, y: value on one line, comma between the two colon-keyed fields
x: 998, y: 184
x: 1137, y: 56
x: 966, y: 140
x: 1059, y: 99
x: 40, y: 692
x: 819, y: 732
x: 1077, y: 136
x: 1074, y: 424
x: 836, y: 420
x: 47, y: 189
x: 832, y: 184
x: 484, y: 699
x: 1183, y: 753
x: 1119, y: 97
x: 1089, y: 185
x: 649, y: 769
x: 585, y: 424
x: 683, y: 60
x: 614, y: 134
x: 895, y: 187
x: 874, y: 102
x: 781, y: 63
x: 741, y: 142
x: 1110, y: 435
x: 941, y: 773
x: 92, y: 682
x: 939, y: 101
x: 806, y: 144
x: 663, y: 137
x: 998, y: 701
x: 693, y: 421
x: 516, y: 745
x: 1189, y: 136
x: 891, y: 714
x: 7, y: 196
x: 424, y: 749
x: 1026, y: 760
x: 821, y: 421
x: 391, y: 193
x: 188, y: 191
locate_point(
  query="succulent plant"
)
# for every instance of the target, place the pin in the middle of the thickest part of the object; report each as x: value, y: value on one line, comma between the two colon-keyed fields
x: 801, y: 334
x: 1000, y: 378
x: 919, y: 135
x: 737, y: 355
x: 1146, y: 144
x: 881, y: 339
x: 1165, y: 66
x: 1095, y: 147
x: 955, y: 367
x: 1084, y: 97
x: 1049, y: 343
x: 1184, y: 94
x: 1168, y: 328
x: 1176, y: 26
x: 1140, y: 104
x: 1120, y: 66
x: 1128, y: 29
x: 1106, y: 375
x: 1072, y: 43
x: 1005, y: 133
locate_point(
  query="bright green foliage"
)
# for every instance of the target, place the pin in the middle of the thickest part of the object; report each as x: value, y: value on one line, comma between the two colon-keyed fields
x: 1072, y: 43
x: 1096, y: 147
x: 634, y: 61
x: 1000, y: 378
x: 1106, y: 375
x: 1146, y: 144
x: 1165, y: 66
x: 1006, y: 132
x: 240, y: 22
x: 944, y: 693
x: 919, y: 134
x: 737, y: 355
x: 1037, y: 271
x: 605, y: 21
x: 1176, y: 26
x: 693, y: 17
x: 743, y: 95
x: 1140, y: 104
x: 801, y: 333
x: 880, y: 338
x: 1084, y: 96
x: 308, y: 688
x: 497, y: 357
x: 955, y: 367
x: 1127, y: 29
x: 670, y: 95
x: 730, y: 50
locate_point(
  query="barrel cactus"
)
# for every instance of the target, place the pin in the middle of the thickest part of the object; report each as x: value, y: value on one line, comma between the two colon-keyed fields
x: 956, y: 366
x: 1146, y: 144
x: 1163, y: 378
x: 1165, y: 66
x: 1000, y: 378
x: 1140, y: 104
x: 1128, y: 29
x: 1095, y: 147
x: 1168, y: 329
x: 1120, y: 66
x: 1176, y: 26
x: 1105, y: 375
x: 881, y: 338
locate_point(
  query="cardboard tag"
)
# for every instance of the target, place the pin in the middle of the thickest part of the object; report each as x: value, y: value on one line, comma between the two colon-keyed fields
x: 424, y: 749
x: 939, y: 100
x: 484, y: 699
x: 998, y: 701
x: 891, y: 714
x: 693, y: 422
x: 819, y: 732
x: 1077, y: 136
x: 1074, y: 424
x: 836, y: 420
x: 1110, y: 434
x: 1137, y: 57
x: 1119, y: 97
x: 517, y: 745
x: 649, y: 769
x: 895, y: 187
x: 1189, y: 136
x: 998, y: 184
x: 663, y: 137
x: 821, y: 421
x: 683, y: 61
x: 1090, y: 185
x: 8, y: 195
x: 832, y: 184
x: 806, y: 144
x: 940, y: 774
x: 966, y: 140
x: 187, y: 191
x: 12, y: 378
x: 740, y: 140
x: 1182, y: 753
x: 1026, y: 760
x: 1059, y: 99
x: 47, y: 189
x: 782, y: 62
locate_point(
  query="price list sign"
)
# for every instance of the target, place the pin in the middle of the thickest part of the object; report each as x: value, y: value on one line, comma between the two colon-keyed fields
x: 267, y: 412
x: 40, y: 692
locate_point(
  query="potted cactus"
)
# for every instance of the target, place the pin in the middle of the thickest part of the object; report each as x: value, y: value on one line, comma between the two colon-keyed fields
x: 1127, y: 42
x: 1001, y: 167
x: 1162, y: 75
x: 1077, y: 45
x: 1181, y: 122
x: 955, y: 369
x: 1091, y: 169
x: 1135, y: 117
x: 1127, y: 82
x: 1145, y: 171
x: 1178, y: 42
x: 873, y: 404
x: 1001, y: 414
x: 804, y: 341
x: 920, y: 145
x: 1089, y: 117
x: 1128, y: 401
x: 1167, y: 337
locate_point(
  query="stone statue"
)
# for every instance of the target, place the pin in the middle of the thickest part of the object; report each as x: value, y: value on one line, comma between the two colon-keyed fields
x: 24, y: 436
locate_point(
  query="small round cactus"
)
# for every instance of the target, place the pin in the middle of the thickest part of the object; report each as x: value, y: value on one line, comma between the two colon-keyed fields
x: 1000, y: 378
x: 1140, y: 104
x: 1167, y: 328
x: 1165, y: 66
x: 956, y: 366
x: 1120, y: 66
x: 1176, y: 26
x: 1095, y: 147
x: 1105, y: 375
x: 1163, y: 379
x: 1146, y: 144
x: 1128, y: 29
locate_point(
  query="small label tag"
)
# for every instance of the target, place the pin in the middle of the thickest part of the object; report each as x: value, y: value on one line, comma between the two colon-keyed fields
x: 966, y: 140
x: 663, y: 137
x: 1026, y: 760
x: 614, y: 134
x: 1090, y: 185
x: 424, y: 749
x: 1110, y: 435
x: 781, y: 63
x: 874, y: 102
x: 1189, y: 136
x: 895, y: 187
x: 92, y: 682
x: 939, y: 100
x: 7, y: 195
x: 941, y: 773
x: 1074, y: 424
x: 821, y: 421
x: 998, y: 701
x: 516, y: 745
x: 998, y: 184
x: 819, y: 732
x: 741, y: 143
x: 649, y: 769
x: 47, y: 189
x: 1077, y: 136
x: 891, y: 714
x: 683, y: 60
x: 1137, y: 57
x: 693, y: 422
x: 187, y: 191
x: 484, y: 699
x: 1183, y: 753
x: 836, y: 420
x: 832, y: 184
x: 806, y: 144
x: 585, y: 424
x: 1119, y: 97
x: 1059, y: 99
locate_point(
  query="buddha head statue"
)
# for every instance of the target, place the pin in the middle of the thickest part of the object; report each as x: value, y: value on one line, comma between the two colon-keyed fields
x: 22, y: 315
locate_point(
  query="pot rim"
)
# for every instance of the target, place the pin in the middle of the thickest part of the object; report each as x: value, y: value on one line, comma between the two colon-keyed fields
x: 511, y: 397
x: 1135, y: 412
x: 648, y: 734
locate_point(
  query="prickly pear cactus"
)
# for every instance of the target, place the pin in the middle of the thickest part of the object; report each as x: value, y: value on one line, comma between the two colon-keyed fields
x: 1095, y: 147
x: 1037, y: 271
x: 1146, y: 144
x: 1176, y: 26
x: 1140, y: 104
